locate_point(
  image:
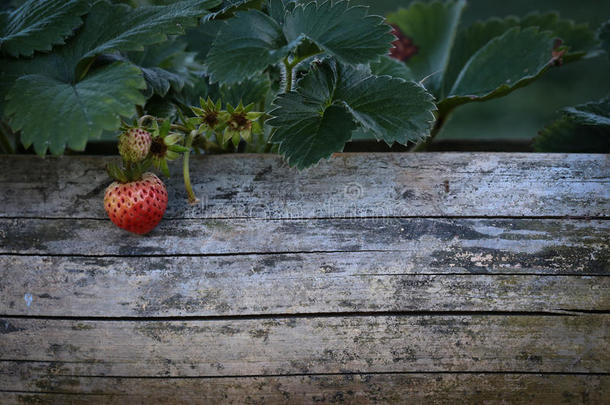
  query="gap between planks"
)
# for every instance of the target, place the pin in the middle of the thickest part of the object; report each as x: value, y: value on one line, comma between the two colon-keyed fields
x: 292, y: 375
x: 312, y: 315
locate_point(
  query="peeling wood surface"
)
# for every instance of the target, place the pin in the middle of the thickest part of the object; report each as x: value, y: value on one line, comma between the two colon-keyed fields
x: 358, y: 389
x: 293, y: 284
x: 583, y: 243
x: 354, y: 185
x: 335, y: 344
x: 371, y: 278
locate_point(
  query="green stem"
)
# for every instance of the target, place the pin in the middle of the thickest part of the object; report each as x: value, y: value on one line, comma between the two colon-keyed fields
x: 5, y: 143
x: 144, y: 117
x: 289, y: 68
x: 185, y: 169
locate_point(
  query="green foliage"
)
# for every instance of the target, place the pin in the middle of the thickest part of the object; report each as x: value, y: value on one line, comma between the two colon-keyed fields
x: 582, y: 129
x: 71, y: 95
x: 391, y: 67
x: 486, y: 76
x: 38, y: 25
x: 345, y: 32
x: 228, y: 8
x: 488, y: 59
x: 250, y: 91
x: 245, y: 47
x: 51, y: 113
x: 164, y: 66
x: 254, y: 40
x: 319, y: 117
x: 111, y: 28
x: 297, y: 76
x: 433, y: 27
x: 597, y: 113
x: 565, y: 136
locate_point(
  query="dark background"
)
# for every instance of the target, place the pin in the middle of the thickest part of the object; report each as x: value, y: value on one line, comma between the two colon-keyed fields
x: 523, y: 113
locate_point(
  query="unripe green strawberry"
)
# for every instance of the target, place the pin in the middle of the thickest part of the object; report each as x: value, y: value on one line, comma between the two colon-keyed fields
x: 136, y: 206
x: 134, y: 144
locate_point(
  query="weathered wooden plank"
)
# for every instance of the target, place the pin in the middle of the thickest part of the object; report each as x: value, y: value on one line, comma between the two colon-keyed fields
x: 581, y: 243
x: 349, y: 389
x: 292, y: 283
x: 297, y: 345
x: 349, y: 185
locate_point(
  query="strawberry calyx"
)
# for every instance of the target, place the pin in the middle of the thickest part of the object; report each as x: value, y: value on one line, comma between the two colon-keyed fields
x: 239, y: 123
x: 234, y: 123
x: 209, y: 114
x: 130, y: 172
x: 165, y: 146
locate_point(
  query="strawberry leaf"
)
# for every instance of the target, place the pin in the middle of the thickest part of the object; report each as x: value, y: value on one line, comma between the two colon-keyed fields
x: 52, y: 114
x: 117, y: 27
x: 199, y: 39
x: 252, y: 90
x: 254, y: 40
x: 582, y: 129
x: 578, y: 38
x: 567, y: 136
x: 277, y: 9
x: 394, y: 110
x: 229, y: 7
x: 62, y: 99
x: 160, y: 81
x: 333, y: 99
x: 163, y: 66
x: 391, y: 67
x: 432, y: 27
x: 38, y: 25
x: 343, y: 31
x: 504, y: 64
x: 596, y: 113
x: 245, y: 47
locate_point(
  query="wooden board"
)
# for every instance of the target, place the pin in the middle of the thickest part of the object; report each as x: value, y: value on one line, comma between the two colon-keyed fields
x: 354, y: 185
x: 318, y: 344
x: 580, y: 242
x: 371, y: 278
x: 296, y: 283
x: 355, y: 389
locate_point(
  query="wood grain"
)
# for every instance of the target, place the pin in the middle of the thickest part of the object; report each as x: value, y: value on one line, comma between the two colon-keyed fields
x: 348, y: 185
x: 295, y: 283
x: 418, y: 388
x: 304, y: 345
x: 580, y: 242
x: 370, y: 278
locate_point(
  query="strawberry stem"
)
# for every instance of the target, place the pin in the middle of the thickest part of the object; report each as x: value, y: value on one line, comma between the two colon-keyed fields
x: 185, y: 169
x: 145, y: 118
x: 288, y: 75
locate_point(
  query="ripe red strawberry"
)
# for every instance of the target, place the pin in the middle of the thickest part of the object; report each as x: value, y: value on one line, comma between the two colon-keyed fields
x: 134, y: 144
x: 136, y: 206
